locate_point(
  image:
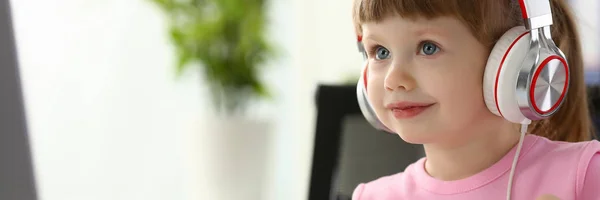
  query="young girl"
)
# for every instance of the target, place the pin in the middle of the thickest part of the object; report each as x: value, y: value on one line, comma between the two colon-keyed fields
x: 462, y: 77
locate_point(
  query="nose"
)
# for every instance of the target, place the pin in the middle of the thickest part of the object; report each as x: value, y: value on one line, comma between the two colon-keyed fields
x: 399, y: 77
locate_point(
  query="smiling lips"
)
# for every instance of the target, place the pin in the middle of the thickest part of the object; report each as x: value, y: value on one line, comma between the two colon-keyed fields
x: 405, y: 110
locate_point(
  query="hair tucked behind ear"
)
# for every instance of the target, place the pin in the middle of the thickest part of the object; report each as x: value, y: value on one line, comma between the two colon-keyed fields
x: 572, y: 121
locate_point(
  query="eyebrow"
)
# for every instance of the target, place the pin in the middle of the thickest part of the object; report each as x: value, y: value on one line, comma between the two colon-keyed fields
x: 419, y: 30
x: 369, y: 37
x: 372, y: 37
x: 430, y: 30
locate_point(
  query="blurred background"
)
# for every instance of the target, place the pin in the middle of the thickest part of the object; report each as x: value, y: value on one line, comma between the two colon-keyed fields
x: 115, y: 112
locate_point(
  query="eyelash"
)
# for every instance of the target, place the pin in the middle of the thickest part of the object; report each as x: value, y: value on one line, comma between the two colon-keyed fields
x: 372, y: 50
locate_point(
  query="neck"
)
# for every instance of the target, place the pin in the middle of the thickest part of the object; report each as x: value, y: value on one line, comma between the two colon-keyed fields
x: 484, y: 146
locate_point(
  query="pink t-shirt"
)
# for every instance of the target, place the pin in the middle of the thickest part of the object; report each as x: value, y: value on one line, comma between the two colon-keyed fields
x: 570, y: 171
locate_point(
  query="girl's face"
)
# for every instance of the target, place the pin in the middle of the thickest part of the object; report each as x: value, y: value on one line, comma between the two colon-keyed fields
x: 425, y: 77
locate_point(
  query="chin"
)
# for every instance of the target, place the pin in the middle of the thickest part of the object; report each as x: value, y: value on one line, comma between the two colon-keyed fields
x: 417, y: 135
x: 416, y: 132
x: 420, y: 129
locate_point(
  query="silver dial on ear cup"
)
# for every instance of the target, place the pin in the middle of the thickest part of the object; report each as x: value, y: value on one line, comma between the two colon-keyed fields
x: 543, y: 79
x: 549, y: 85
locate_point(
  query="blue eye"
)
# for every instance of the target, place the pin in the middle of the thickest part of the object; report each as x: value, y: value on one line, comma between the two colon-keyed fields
x: 382, y: 53
x: 429, y: 48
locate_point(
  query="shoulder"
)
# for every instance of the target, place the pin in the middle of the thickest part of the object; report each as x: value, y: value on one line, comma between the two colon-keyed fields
x: 387, y: 187
x: 588, y: 173
x: 579, y: 160
x: 563, y: 155
x: 558, y: 150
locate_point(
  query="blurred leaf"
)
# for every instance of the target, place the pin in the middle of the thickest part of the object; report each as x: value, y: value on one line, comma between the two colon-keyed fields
x: 227, y: 40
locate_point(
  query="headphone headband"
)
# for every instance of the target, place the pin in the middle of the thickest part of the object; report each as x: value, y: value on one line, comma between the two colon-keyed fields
x: 536, y: 13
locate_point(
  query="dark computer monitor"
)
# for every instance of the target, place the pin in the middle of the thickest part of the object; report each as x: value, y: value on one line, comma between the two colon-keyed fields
x: 16, y: 169
x: 348, y: 150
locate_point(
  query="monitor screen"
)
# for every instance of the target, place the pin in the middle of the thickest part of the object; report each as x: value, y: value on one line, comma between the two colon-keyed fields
x: 348, y: 150
x: 366, y: 154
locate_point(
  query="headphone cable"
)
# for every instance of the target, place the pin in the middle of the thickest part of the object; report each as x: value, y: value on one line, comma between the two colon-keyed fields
x: 516, y: 158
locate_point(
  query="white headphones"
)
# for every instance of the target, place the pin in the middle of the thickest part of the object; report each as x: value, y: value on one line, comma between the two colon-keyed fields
x: 526, y: 77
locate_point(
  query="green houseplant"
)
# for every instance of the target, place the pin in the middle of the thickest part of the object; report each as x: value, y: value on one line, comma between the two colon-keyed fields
x: 227, y: 40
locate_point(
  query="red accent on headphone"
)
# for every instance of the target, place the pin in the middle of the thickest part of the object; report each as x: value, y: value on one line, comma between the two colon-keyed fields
x: 536, y: 76
x: 500, y: 69
x: 523, y: 9
x: 359, y: 38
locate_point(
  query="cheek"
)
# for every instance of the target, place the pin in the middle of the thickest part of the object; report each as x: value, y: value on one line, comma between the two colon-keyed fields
x: 375, y: 90
x: 458, y: 81
x: 462, y: 87
x: 460, y: 95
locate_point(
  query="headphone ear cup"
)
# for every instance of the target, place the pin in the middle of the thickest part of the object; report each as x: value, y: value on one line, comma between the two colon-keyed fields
x: 501, y: 72
x: 364, y: 104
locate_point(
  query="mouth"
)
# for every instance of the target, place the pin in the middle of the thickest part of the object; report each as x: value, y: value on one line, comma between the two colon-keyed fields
x: 405, y: 110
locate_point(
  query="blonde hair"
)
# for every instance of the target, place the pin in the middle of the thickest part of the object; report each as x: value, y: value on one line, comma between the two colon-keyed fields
x: 488, y: 20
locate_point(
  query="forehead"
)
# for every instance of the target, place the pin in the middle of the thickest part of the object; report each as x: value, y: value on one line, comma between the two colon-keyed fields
x: 398, y: 26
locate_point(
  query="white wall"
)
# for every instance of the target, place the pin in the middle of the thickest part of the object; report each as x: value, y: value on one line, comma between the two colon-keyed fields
x: 109, y: 120
x: 588, y: 19
x: 107, y: 116
x: 323, y: 51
